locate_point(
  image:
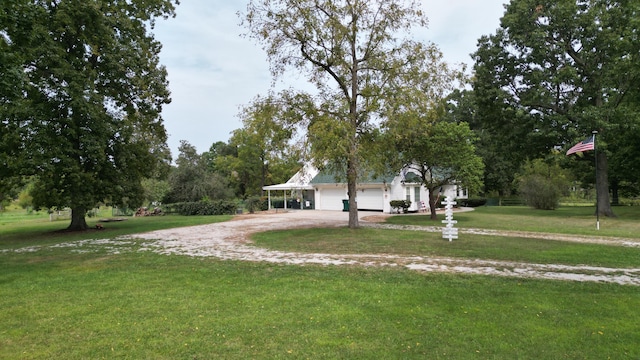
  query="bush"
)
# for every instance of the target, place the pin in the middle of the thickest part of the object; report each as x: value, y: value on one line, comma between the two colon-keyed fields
x: 540, y: 193
x: 400, y: 204
x: 264, y: 204
x: 542, y: 185
x: 256, y: 203
x: 219, y: 207
x: 473, y: 202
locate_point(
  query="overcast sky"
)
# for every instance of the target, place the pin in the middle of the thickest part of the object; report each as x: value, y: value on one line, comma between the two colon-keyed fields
x: 213, y: 70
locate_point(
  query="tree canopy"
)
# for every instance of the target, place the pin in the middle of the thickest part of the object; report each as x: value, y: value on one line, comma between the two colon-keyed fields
x: 83, y: 115
x: 354, y: 53
x: 441, y: 152
x: 192, y: 180
x: 569, y: 67
x: 265, y: 151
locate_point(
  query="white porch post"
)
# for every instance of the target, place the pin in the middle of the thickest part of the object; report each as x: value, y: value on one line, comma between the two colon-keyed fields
x: 269, y: 198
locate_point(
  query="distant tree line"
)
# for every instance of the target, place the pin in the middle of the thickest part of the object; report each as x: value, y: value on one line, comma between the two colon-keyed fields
x: 82, y: 90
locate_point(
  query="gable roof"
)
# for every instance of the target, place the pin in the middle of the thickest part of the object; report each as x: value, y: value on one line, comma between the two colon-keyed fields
x: 299, y: 181
x: 412, y: 178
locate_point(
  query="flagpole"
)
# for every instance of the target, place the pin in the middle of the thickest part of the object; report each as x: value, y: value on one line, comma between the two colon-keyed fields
x: 595, y: 152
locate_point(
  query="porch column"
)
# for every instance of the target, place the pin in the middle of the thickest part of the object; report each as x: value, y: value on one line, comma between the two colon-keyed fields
x: 285, y: 199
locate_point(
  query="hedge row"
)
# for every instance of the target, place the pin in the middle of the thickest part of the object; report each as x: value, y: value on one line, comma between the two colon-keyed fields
x: 473, y: 202
x: 219, y: 207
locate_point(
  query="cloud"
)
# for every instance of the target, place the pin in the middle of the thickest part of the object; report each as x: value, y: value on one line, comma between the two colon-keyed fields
x: 456, y: 25
x: 213, y: 70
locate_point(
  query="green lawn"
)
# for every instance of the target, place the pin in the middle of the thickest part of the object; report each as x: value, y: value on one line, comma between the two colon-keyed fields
x: 147, y: 306
x: 139, y: 305
x: 404, y: 242
x: 566, y: 220
x: 20, y: 229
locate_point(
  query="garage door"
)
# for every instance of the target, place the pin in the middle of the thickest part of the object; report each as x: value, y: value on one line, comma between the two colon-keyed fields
x: 370, y: 199
x: 331, y: 198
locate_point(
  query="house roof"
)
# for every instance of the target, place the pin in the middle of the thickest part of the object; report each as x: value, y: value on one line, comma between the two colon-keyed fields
x: 288, y: 186
x: 299, y: 181
x: 309, y: 176
x: 411, y: 177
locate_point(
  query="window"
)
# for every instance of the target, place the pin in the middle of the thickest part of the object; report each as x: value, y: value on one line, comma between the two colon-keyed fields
x: 408, y: 193
x: 416, y: 196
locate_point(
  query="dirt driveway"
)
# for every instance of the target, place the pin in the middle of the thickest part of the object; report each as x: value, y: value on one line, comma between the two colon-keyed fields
x: 230, y: 241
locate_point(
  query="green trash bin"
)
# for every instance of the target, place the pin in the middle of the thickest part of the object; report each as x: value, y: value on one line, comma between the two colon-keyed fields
x: 345, y: 205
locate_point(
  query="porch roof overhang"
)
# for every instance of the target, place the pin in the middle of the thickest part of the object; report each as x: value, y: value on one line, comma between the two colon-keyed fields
x: 287, y: 186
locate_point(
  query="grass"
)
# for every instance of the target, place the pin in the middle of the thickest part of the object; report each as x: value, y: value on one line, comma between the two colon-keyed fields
x: 140, y: 305
x: 565, y: 220
x: 20, y: 229
x: 398, y: 242
x: 148, y: 306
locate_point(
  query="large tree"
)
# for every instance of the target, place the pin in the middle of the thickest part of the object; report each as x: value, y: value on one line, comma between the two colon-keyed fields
x: 11, y: 81
x: 89, y: 91
x: 350, y: 50
x: 420, y: 134
x: 441, y: 152
x: 571, y: 66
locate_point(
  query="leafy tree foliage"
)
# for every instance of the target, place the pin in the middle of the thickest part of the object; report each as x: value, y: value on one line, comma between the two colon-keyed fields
x: 569, y: 67
x: 265, y: 150
x: 11, y: 81
x: 217, y: 151
x: 503, y: 146
x: 441, y: 152
x: 88, y: 89
x: 155, y: 190
x: 352, y: 52
x: 421, y: 135
x: 192, y: 181
x: 624, y: 164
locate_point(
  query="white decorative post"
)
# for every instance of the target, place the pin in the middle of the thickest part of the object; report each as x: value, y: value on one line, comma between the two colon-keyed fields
x: 449, y: 232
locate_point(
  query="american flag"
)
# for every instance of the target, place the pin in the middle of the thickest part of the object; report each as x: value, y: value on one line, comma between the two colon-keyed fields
x: 587, y: 144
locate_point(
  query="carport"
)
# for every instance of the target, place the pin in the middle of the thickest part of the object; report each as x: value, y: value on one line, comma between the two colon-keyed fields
x: 292, y: 188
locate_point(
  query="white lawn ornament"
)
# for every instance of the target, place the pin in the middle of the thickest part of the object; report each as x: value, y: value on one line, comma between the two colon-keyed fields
x: 449, y: 232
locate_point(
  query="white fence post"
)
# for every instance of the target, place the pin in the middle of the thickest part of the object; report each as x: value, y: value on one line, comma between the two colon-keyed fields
x: 449, y: 232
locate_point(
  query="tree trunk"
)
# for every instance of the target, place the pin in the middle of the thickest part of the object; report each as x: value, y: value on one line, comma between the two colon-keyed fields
x: 602, y: 184
x: 352, y: 193
x: 433, y: 197
x: 615, y: 197
x: 352, y: 163
x: 78, y: 221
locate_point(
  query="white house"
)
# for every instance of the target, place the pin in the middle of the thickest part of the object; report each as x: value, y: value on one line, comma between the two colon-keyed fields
x: 312, y: 189
x: 376, y: 194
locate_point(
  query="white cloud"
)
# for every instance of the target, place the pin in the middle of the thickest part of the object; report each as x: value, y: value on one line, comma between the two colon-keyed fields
x: 213, y: 70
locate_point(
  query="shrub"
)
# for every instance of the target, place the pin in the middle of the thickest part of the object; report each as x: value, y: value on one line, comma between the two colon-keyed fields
x: 219, y: 207
x: 473, y: 202
x: 400, y: 204
x: 256, y: 203
x: 264, y: 205
x: 539, y: 192
x: 542, y: 185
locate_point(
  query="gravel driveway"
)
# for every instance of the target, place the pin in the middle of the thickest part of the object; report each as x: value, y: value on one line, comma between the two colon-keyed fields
x: 230, y: 241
